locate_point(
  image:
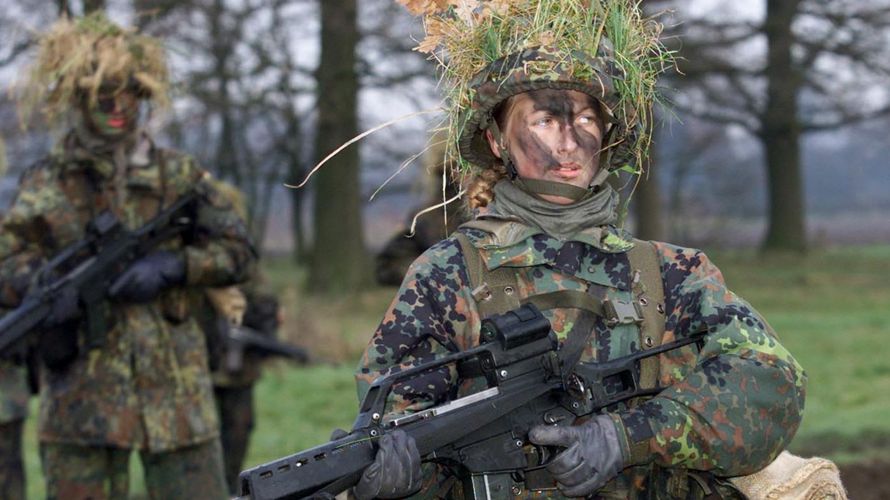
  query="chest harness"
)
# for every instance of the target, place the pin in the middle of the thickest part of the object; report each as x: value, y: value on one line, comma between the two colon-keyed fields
x: 496, y: 291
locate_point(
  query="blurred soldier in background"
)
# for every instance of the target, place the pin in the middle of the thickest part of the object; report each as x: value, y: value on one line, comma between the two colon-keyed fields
x: 234, y: 362
x: 402, y: 248
x: 146, y: 385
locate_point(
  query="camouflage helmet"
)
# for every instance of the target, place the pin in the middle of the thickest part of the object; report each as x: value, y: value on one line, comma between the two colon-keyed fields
x: 86, y: 56
x: 490, y: 50
x: 542, y: 68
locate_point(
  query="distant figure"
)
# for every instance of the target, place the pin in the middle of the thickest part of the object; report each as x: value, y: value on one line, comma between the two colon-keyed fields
x: 402, y: 248
x: 236, y: 368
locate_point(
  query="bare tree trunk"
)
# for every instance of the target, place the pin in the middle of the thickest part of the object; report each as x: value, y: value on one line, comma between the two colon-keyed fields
x: 340, y: 262
x: 64, y: 8
x: 781, y: 133
x: 90, y: 6
x: 650, y: 213
x: 226, y: 159
x: 297, y: 196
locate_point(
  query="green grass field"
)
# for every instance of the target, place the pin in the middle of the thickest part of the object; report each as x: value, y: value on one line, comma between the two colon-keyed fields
x: 831, y: 309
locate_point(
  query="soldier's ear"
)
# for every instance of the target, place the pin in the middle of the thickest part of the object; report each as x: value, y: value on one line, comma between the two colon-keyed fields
x: 493, y: 144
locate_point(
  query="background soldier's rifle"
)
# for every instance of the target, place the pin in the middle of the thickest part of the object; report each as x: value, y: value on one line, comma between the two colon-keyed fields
x: 89, y: 266
x: 238, y: 338
x: 483, y: 435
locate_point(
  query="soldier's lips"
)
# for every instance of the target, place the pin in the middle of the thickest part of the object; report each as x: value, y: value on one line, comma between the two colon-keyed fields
x: 567, y: 170
x: 117, y: 122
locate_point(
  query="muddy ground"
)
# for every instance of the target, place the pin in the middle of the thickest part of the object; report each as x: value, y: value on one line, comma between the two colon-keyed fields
x: 867, y: 481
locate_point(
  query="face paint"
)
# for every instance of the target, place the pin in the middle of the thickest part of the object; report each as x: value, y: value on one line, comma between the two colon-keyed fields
x: 555, y: 135
x: 113, y: 115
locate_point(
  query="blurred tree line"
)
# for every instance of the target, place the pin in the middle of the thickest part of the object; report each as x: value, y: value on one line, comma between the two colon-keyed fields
x: 270, y: 87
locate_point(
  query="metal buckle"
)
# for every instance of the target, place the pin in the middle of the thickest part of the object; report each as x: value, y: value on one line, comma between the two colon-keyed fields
x: 481, y: 293
x: 622, y: 312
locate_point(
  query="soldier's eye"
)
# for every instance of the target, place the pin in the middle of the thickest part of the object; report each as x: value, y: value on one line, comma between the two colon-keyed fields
x: 106, y: 103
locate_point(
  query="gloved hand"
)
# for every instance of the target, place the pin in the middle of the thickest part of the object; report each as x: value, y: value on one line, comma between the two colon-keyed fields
x: 592, y: 457
x: 395, y: 472
x: 145, y: 279
x: 66, y: 309
x: 57, y: 343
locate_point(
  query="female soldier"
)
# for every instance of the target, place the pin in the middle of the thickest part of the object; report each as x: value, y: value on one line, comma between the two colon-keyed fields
x: 556, y: 105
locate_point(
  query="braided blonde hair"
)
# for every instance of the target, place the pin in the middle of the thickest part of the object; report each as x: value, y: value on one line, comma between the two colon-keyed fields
x: 480, y: 188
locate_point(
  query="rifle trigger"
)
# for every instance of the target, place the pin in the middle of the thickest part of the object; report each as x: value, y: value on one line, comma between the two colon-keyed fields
x: 575, y: 386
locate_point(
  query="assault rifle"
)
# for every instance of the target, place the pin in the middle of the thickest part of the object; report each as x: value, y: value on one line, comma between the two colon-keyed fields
x: 484, y: 435
x: 237, y: 339
x: 89, y: 266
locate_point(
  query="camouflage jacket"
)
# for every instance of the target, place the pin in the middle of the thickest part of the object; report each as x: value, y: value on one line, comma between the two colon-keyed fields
x: 729, y: 408
x: 149, y: 385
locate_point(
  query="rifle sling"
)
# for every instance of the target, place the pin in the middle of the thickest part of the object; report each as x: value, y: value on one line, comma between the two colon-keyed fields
x: 649, y: 294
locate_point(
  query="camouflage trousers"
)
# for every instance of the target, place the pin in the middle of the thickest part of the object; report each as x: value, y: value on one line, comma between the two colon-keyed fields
x: 236, y: 419
x: 75, y: 472
x: 12, y: 471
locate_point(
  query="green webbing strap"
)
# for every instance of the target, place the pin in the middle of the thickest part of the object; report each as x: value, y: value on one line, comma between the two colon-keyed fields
x: 649, y: 293
x: 566, y: 299
x: 543, y: 187
x: 494, y: 291
x: 590, y: 307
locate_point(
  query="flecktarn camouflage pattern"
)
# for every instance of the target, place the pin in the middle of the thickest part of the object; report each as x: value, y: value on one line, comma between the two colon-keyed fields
x: 729, y: 408
x: 149, y: 386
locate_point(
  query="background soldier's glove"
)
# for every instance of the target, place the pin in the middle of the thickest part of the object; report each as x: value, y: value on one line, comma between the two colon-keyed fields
x: 148, y: 277
x: 592, y: 457
x: 66, y: 309
x: 57, y: 343
x: 395, y: 472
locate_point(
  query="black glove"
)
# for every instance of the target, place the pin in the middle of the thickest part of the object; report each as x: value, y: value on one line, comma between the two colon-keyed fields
x: 395, y: 472
x: 66, y: 309
x: 148, y: 277
x: 592, y: 457
x: 57, y: 343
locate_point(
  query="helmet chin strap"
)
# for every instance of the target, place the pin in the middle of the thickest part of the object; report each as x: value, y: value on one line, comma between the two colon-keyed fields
x: 492, y: 126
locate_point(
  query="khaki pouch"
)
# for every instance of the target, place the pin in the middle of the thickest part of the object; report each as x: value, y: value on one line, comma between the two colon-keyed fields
x: 790, y: 477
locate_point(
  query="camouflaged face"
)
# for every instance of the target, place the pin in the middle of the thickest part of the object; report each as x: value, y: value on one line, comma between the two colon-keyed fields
x: 533, y: 69
x: 149, y: 386
x: 729, y: 408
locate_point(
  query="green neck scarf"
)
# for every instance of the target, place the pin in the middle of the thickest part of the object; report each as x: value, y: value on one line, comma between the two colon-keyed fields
x: 561, y: 221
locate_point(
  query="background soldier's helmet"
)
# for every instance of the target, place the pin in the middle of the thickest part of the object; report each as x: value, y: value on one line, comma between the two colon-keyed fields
x: 87, y: 56
x: 489, y: 50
